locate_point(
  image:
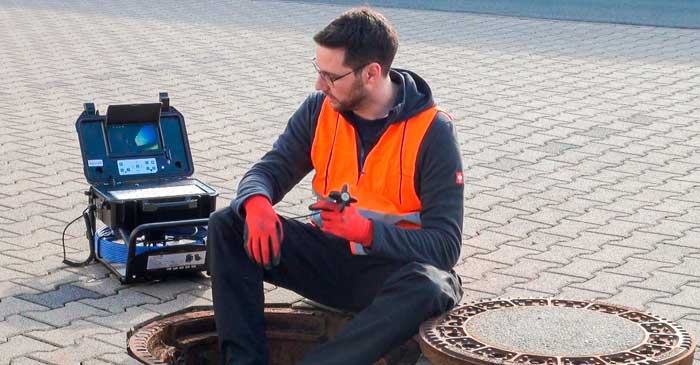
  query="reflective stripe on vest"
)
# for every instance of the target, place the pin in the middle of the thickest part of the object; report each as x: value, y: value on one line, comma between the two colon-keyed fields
x: 384, y: 189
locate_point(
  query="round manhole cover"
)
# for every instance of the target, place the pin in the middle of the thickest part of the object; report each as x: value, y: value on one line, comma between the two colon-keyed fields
x: 553, y: 332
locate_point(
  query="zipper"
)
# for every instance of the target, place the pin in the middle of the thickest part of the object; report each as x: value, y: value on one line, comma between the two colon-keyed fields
x: 361, y: 162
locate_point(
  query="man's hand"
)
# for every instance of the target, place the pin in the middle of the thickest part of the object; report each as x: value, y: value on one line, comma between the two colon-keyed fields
x: 348, y: 224
x: 263, y: 234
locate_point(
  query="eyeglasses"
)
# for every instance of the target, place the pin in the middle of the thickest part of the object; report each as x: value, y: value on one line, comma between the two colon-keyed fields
x: 331, y: 79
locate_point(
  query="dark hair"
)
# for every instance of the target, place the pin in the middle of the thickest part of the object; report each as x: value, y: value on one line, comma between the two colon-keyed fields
x: 365, y: 34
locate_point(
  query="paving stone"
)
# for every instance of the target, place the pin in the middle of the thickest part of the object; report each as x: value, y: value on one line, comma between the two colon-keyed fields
x: 661, y: 280
x: 527, y: 268
x: 560, y: 254
x: 638, y: 267
x: 667, y: 311
x: 487, y: 240
x: 635, y: 297
x: 121, y: 359
x: 547, y: 216
x: 12, y: 305
x: 25, y: 361
x: 71, y: 334
x: 64, y: 315
x: 582, y: 268
x: 581, y: 294
x: 668, y: 253
x: 181, y: 302
x: 687, y: 297
x: 118, y: 303
x: 20, y: 345
x: 506, y: 254
x: 16, y: 325
x: 57, y: 298
x: 519, y: 227
x: 475, y: 268
x: 590, y: 241
x: 122, y: 321
x: 642, y: 240
x: 9, y: 289
x: 50, y: 281
x: 614, y: 254
x: 494, y: 283
x: 548, y: 282
x: 85, y: 349
x: 168, y: 289
x: 605, y: 282
x: 619, y: 228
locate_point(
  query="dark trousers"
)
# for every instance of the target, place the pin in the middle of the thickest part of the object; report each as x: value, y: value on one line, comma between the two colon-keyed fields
x: 391, y: 298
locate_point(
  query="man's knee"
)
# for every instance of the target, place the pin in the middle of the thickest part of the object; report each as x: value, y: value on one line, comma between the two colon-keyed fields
x: 437, y: 289
x: 224, y: 221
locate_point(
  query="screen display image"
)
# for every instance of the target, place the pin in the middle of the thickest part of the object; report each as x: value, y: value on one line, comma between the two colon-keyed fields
x: 133, y: 138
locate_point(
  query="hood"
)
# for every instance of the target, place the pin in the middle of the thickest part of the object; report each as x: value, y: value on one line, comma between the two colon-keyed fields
x: 414, y: 95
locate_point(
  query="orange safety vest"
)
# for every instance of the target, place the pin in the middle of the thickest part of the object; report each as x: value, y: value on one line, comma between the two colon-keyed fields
x: 384, y: 189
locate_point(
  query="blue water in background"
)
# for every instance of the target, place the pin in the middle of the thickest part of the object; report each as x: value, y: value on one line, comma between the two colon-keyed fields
x: 671, y: 13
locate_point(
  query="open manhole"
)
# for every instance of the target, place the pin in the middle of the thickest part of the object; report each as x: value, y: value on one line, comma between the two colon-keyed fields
x: 553, y: 332
x: 189, y: 336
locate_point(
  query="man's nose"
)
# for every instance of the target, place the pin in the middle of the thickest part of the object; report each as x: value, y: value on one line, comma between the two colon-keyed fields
x: 321, y: 84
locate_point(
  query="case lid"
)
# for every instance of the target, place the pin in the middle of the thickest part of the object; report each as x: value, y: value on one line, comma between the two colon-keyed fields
x: 134, y: 143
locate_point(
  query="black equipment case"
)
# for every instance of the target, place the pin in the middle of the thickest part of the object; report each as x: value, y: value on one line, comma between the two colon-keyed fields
x: 138, y: 162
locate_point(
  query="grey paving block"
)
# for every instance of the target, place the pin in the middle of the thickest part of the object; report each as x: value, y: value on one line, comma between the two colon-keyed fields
x: 661, y: 280
x: 71, y: 334
x: 475, y: 268
x: 117, y: 303
x: 581, y: 294
x: 635, y: 297
x: 582, y: 268
x: 122, y: 321
x: 506, y: 254
x: 551, y: 283
x: 493, y: 283
x: 16, y: 325
x: 606, y: 282
x: 20, y: 345
x: 59, y: 297
x: 613, y: 253
x: 671, y: 254
x: 638, y: 267
x: 12, y: 305
x: 10, y: 289
x: 687, y: 297
x: 181, y: 302
x: 64, y: 315
x: 86, y: 348
x: 670, y: 312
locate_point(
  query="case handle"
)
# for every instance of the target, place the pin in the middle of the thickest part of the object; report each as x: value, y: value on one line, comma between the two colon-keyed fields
x: 183, y: 204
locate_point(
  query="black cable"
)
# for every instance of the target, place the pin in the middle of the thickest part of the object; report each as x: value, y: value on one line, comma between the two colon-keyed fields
x: 90, y: 235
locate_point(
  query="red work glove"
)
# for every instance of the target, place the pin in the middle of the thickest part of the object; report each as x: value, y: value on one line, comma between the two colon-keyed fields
x: 348, y: 224
x: 263, y: 234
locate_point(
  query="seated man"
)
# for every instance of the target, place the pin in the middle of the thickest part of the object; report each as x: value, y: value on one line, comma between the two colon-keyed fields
x: 389, y: 255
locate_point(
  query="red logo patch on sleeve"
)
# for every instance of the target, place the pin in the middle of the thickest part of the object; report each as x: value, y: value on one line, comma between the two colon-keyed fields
x: 459, y: 178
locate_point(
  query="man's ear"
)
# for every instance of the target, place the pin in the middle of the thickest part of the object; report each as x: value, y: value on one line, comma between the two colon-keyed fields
x: 374, y: 72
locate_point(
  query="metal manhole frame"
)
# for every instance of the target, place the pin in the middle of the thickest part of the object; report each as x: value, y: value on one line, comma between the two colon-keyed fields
x: 653, y: 350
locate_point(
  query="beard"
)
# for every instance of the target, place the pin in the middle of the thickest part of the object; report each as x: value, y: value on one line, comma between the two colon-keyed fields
x: 356, y: 97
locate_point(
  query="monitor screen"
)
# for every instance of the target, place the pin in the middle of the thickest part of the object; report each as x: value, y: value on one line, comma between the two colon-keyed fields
x: 133, y: 138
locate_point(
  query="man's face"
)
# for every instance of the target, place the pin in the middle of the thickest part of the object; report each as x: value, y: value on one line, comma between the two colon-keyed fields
x: 344, y: 88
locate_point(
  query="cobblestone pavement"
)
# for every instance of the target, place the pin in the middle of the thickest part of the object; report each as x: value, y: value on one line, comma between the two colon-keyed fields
x: 580, y: 143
